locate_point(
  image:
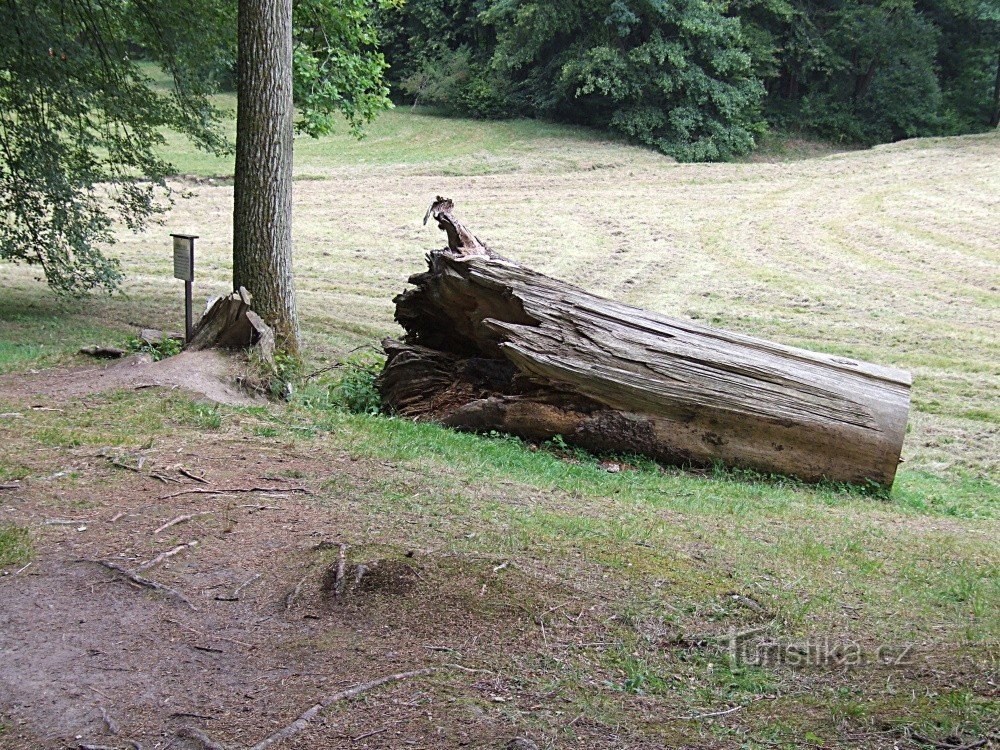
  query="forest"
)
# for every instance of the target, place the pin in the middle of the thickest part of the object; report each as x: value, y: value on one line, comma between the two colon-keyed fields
x: 702, y: 80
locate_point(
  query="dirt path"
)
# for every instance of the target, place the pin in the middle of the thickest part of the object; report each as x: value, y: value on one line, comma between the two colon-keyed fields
x: 86, y: 657
x: 207, y: 373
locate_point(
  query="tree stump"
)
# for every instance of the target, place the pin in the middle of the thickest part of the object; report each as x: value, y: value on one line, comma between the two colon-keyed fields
x: 229, y: 323
x: 493, y: 345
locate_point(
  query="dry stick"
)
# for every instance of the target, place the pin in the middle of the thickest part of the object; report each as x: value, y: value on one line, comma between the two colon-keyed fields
x: 165, y: 555
x: 709, y: 715
x: 303, y: 721
x: 64, y: 522
x: 235, y: 596
x: 144, y: 582
x: 372, y: 733
x: 211, y: 635
x: 122, y: 465
x: 192, y: 475
x: 181, y: 519
x: 945, y: 746
x: 9, y: 486
x: 247, y: 582
x: 234, y: 490
x: 163, y: 478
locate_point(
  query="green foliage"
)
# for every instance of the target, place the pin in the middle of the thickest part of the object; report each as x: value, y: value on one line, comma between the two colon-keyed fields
x: 80, y: 123
x: 166, y: 347
x: 673, y: 75
x: 356, y: 391
x: 337, y: 65
x: 697, y: 78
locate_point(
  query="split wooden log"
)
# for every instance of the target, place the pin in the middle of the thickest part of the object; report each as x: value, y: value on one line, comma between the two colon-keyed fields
x: 229, y: 323
x: 493, y: 345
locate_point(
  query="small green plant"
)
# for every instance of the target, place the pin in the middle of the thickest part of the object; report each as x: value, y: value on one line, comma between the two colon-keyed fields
x: 15, y: 545
x: 287, y: 370
x: 355, y: 391
x: 166, y: 347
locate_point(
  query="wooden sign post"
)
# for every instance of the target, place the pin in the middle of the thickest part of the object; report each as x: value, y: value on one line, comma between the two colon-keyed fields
x: 184, y: 270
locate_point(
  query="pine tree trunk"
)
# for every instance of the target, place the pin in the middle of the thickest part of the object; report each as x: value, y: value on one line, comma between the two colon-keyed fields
x: 262, y: 215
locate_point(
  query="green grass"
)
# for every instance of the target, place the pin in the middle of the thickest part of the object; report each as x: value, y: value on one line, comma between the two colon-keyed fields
x: 413, y: 137
x: 818, y: 253
x: 15, y: 546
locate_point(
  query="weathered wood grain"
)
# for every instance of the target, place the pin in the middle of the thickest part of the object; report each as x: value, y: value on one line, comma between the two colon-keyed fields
x: 493, y: 345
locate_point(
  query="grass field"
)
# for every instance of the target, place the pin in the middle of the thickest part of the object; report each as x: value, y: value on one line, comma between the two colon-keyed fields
x: 889, y: 255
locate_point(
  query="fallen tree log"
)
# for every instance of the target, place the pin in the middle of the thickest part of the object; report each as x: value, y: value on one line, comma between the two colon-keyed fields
x: 493, y: 345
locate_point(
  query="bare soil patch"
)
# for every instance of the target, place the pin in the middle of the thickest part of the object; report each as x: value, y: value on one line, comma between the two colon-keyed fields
x: 89, y: 657
x: 209, y: 373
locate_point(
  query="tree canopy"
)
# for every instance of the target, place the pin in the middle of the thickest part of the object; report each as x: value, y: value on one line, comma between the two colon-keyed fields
x: 699, y: 78
x: 81, y: 123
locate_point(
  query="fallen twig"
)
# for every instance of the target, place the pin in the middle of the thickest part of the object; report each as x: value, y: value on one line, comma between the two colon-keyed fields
x: 11, y: 486
x: 210, y: 635
x: 235, y: 490
x: 709, y: 715
x: 122, y: 465
x: 947, y: 746
x: 144, y: 582
x: 239, y: 589
x: 469, y: 670
x: 192, y: 475
x: 303, y: 721
x: 22, y: 569
x: 164, y: 478
x: 165, y: 555
x: 181, y: 519
x: 64, y: 522
x: 372, y: 733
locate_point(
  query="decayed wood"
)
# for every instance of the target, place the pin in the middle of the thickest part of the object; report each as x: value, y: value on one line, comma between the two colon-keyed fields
x: 229, y: 323
x: 493, y: 345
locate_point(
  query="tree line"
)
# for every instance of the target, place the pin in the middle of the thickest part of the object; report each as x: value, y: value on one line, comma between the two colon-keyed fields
x: 81, y: 122
x: 703, y: 79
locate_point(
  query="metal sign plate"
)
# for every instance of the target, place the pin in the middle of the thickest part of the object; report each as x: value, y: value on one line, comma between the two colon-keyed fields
x: 184, y: 258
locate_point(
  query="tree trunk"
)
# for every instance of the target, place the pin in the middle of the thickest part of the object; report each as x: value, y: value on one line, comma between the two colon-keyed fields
x: 995, y: 114
x: 262, y: 214
x: 492, y: 345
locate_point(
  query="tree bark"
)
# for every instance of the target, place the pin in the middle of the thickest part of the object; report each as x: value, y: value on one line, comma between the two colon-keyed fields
x: 493, y: 345
x: 995, y: 114
x: 262, y: 214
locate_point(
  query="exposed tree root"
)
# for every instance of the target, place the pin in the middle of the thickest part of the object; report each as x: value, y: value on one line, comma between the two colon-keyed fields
x: 235, y: 490
x: 166, y: 555
x: 193, y: 733
x: 143, y: 582
x: 303, y: 721
x: 181, y: 519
